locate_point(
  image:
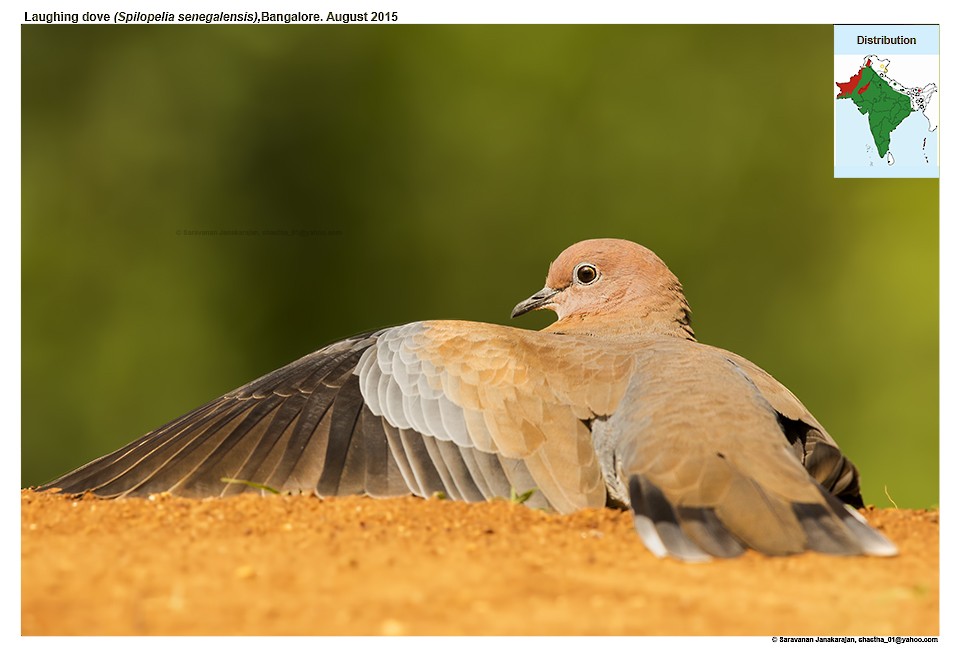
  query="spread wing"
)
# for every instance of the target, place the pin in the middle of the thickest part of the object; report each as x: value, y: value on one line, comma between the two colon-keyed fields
x: 460, y: 408
x: 706, y: 455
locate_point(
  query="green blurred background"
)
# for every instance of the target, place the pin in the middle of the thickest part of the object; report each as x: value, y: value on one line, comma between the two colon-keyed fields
x: 434, y: 172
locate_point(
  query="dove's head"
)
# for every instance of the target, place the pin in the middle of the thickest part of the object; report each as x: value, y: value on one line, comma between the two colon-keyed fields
x: 611, y: 286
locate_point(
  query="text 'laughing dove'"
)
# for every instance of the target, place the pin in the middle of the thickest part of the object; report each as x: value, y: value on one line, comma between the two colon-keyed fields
x: 614, y: 404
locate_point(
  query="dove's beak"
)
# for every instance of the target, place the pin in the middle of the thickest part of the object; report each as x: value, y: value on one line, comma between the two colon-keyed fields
x: 538, y: 300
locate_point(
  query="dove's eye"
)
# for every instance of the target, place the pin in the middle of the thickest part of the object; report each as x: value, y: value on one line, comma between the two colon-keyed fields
x: 586, y: 274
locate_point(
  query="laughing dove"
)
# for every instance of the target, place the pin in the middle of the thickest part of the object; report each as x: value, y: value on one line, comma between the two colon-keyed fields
x: 613, y: 404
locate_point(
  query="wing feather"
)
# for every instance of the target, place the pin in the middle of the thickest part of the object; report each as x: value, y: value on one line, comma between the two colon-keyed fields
x: 818, y: 452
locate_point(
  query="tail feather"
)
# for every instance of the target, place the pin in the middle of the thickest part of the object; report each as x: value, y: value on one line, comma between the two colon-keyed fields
x: 657, y: 523
x: 696, y: 534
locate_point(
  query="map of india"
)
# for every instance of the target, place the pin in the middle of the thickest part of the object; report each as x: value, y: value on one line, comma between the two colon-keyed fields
x: 884, y: 101
x: 885, y: 107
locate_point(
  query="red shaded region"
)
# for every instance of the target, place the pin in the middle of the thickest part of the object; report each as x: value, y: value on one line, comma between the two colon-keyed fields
x: 847, y: 88
x: 868, y: 63
x: 863, y: 89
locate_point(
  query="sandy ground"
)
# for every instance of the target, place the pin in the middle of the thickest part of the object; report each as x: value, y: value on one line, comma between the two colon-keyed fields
x: 291, y: 565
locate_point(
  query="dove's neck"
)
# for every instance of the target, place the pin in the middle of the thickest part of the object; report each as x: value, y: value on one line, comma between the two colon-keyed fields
x: 667, y: 315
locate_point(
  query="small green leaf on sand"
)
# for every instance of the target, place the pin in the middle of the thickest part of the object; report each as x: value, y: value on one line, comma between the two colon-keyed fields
x: 251, y: 484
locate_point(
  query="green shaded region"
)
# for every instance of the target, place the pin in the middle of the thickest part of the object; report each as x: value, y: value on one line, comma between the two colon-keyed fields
x: 884, y: 106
